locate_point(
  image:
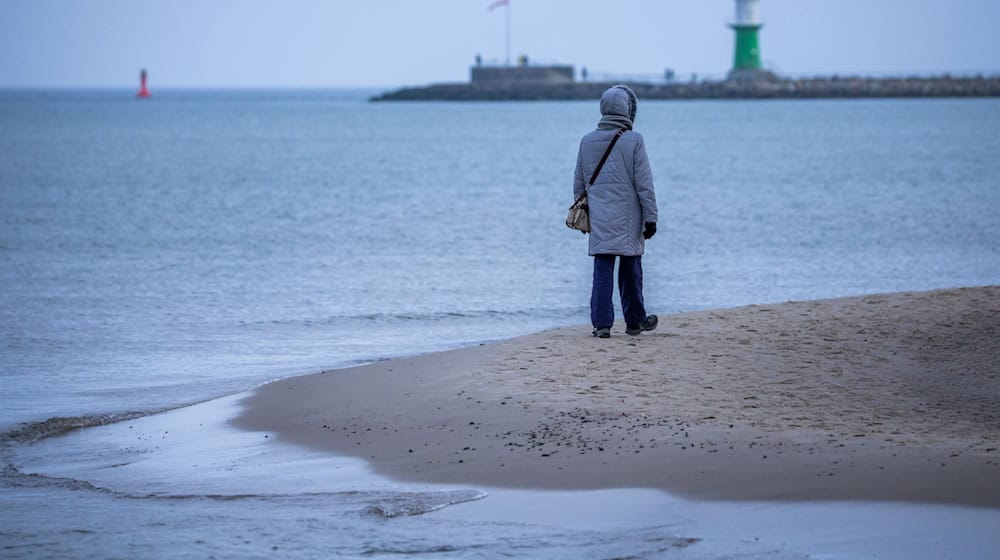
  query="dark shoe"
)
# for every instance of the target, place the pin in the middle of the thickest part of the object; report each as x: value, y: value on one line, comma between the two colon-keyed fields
x: 648, y: 325
x: 602, y: 332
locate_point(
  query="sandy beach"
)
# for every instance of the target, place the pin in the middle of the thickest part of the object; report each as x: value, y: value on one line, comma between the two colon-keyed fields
x: 887, y: 397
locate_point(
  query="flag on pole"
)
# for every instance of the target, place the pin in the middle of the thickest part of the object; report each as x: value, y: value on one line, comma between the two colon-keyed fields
x: 497, y: 4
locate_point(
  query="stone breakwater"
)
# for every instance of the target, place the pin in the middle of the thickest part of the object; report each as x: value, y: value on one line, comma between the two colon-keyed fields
x: 833, y: 87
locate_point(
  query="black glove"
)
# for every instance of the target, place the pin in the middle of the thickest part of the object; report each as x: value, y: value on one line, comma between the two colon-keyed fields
x: 650, y: 230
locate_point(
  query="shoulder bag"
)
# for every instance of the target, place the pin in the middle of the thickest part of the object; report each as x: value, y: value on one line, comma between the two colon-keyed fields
x: 578, y: 217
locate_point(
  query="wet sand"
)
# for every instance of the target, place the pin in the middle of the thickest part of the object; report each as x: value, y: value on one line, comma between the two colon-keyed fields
x: 886, y: 397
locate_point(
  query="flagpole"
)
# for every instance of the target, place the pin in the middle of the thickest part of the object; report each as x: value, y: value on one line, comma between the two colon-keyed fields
x: 505, y: 4
x: 508, y: 32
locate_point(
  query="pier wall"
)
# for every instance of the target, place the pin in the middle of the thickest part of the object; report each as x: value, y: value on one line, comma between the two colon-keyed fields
x: 486, y: 75
x: 834, y: 87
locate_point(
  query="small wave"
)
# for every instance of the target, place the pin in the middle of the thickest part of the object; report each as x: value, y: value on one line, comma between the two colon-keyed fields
x: 429, y: 316
x: 418, y: 503
x: 11, y: 477
x: 380, y: 504
x: 32, y: 432
x: 408, y: 551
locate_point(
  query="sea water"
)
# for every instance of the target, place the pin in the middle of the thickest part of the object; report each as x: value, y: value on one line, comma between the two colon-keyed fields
x: 168, y: 251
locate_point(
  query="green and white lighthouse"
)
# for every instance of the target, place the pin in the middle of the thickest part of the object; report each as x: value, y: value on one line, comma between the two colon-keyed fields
x: 746, y: 57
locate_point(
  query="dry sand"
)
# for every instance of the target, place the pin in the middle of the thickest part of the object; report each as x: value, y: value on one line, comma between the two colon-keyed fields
x: 885, y: 397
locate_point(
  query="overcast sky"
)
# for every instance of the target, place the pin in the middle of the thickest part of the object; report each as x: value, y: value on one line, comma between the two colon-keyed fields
x: 333, y: 43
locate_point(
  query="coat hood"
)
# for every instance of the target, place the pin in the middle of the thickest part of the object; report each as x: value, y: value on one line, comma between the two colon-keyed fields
x: 619, y: 101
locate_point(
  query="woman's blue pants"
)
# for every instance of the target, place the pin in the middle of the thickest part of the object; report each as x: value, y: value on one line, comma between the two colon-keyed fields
x: 602, y: 309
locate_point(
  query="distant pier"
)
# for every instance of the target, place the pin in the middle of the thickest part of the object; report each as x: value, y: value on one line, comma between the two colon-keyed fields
x: 777, y: 88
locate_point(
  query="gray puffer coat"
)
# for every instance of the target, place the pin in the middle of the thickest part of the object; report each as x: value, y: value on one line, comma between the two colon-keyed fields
x: 622, y: 199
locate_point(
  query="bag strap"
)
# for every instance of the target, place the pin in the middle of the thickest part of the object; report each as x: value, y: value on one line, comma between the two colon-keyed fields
x: 606, y: 154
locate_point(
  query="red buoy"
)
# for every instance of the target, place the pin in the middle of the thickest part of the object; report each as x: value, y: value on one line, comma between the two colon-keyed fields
x: 143, y: 92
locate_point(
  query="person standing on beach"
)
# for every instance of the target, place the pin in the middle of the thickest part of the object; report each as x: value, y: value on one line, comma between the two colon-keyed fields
x: 622, y: 205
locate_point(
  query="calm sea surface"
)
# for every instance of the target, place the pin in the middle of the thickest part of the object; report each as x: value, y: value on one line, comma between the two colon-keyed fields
x: 164, y: 252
